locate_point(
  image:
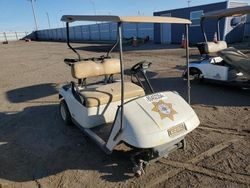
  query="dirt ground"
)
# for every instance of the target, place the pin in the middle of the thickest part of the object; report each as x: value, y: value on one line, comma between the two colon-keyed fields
x: 38, y: 150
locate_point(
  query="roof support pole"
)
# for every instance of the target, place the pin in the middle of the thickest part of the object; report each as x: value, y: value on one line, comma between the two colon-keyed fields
x: 218, y: 29
x: 119, y: 28
x: 114, y: 45
x: 187, y: 63
x: 67, y: 32
x: 203, y: 30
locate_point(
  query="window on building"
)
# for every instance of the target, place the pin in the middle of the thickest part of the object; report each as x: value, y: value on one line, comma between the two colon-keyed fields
x: 195, y: 17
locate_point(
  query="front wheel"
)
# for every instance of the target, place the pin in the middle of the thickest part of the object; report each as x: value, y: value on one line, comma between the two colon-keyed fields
x: 64, y: 113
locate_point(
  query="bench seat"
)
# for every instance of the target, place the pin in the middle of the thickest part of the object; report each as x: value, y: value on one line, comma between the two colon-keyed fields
x: 110, y: 93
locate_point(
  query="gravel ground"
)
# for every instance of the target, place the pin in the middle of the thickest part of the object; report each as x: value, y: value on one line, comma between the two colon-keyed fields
x: 37, y: 150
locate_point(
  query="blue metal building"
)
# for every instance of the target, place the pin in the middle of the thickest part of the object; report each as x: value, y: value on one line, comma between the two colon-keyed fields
x: 98, y: 32
x: 166, y: 33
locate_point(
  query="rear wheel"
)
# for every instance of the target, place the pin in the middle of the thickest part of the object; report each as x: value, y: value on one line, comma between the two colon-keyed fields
x: 195, y: 74
x: 64, y: 113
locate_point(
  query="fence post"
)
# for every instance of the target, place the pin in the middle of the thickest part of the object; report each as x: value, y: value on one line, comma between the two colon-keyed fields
x: 16, y: 36
x: 56, y: 37
x: 26, y: 34
x: 110, y: 31
x: 47, y: 36
x: 50, y: 34
x: 74, y: 32
x: 137, y: 30
x: 99, y: 31
x: 62, y: 33
x: 82, y: 33
x: 5, y: 36
x: 90, y: 33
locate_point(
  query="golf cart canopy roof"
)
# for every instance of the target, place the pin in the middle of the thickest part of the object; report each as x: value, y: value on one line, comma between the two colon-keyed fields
x: 238, y: 11
x: 129, y: 19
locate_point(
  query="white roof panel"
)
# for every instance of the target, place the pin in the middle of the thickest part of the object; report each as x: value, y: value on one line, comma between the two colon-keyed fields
x: 130, y: 19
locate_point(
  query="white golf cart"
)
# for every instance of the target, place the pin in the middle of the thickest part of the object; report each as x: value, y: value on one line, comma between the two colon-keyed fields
x: 231, y: 66
x: 153, y: 124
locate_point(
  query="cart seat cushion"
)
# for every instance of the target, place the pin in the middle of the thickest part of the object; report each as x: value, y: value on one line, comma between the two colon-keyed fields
x: 236, y: 59
x: 110, y: 93
x: 86, y: 69
x: 212, y: 47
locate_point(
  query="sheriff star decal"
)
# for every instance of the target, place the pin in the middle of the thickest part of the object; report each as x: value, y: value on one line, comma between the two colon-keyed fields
x: 164, y: 109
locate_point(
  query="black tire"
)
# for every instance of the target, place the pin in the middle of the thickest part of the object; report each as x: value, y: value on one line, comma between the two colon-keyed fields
x: 195, y: 75
x: 183, y: 144
x: 184, y: 75
x: 64, y: 113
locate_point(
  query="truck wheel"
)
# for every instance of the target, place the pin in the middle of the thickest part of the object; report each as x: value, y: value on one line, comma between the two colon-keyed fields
x: 64, y: 113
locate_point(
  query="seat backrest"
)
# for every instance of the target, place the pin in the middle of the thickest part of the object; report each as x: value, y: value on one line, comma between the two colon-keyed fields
x: 87, y: 69
x: 212, y: 47
x: 111, y: 66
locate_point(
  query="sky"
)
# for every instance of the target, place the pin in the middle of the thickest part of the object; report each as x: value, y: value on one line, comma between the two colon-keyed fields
x: 16, y: 15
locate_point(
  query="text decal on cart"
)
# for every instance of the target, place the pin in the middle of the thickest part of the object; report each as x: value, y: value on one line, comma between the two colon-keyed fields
x: 155, y: 97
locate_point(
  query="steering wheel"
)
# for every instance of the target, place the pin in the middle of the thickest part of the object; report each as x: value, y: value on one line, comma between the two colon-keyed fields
x: 140, y: 67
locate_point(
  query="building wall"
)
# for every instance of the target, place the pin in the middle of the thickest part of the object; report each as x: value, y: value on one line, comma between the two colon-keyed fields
x: 195, y: 33
x: 247, y: 28
x: 98, y: 32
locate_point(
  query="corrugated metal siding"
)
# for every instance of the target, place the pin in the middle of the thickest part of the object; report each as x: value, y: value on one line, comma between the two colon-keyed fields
x: 195, y: 32
x: 103, y: 31
x: 105, y: 34
x: 247, y: 28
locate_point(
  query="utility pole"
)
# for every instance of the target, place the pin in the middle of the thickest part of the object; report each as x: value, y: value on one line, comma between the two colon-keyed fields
x: 34, y: 14
x: 188, y: 1
x: 48, y: 19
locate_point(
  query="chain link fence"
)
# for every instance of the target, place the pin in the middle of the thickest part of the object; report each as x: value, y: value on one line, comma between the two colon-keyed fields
x: 13, y: 36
